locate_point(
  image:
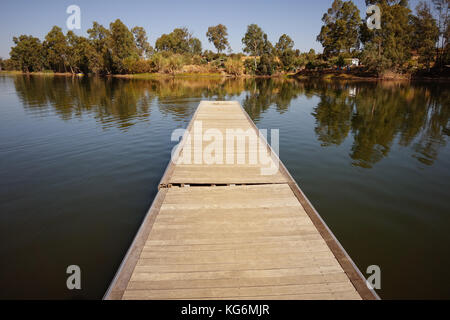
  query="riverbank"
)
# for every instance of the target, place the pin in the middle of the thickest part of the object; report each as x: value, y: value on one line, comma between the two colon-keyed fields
x: 64, y: 74
x: 155, y: 75
x: 302, y: 75
x: 358, y: 74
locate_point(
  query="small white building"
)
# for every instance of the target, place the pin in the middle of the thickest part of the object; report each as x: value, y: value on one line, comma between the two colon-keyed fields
x: 355, y: 62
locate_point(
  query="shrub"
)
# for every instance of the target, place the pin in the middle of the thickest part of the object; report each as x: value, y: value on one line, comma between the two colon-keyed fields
x: 173, y: 64
x: 141, y: 66
x: 197, y: 60
x: 210, y: 56
x: 249, y: 66
x: 157, y: 62
x: 266, y: 65
x: 234, y: 67
x: 340, y: 61
x: 310, y: 65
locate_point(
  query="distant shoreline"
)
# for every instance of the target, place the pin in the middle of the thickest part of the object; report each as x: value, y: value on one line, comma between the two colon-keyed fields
x: 318, y: 75
x: 352, y: 75
x: 149, y: 76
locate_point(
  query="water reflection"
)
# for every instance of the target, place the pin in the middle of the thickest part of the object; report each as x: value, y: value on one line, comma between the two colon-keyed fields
x: 263, y: 93
x: 376, y: 116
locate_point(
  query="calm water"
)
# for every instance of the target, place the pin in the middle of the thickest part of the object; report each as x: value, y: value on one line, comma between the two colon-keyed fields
x: 80, y: 160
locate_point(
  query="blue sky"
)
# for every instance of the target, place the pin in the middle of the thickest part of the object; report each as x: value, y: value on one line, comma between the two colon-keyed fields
x: 299, y: 19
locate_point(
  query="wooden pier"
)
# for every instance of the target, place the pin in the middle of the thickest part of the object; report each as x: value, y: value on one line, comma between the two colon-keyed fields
x: 227, y: 231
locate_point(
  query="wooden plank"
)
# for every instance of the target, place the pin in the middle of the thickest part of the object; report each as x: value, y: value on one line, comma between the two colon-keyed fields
x: 221, y: 117
x: 238, y: 269
x: 327, y: 291
x: 235, y: 233
x: 336, y: 248
x: 238, y: 282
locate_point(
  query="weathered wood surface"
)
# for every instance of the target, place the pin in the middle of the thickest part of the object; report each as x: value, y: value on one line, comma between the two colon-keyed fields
x: 222, y: 116
x: 240, y: 235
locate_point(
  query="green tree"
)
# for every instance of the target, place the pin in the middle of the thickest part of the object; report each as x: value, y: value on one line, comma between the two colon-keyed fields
x: 82, y: 55
x: 425, y: 33
x: 285, y: 43
x: 390, y: 46
x: 340, y: 30
x: 9, y: 65
x: 178, y: 41
x: 310, y: 59
x: 446, y: 54
x: 340, y: 61
x: 75, y: 55
x: 27, y: 54
x: 254, y: 42
x: 195, y: 46
x: 56, y: 49
x: 218, y: 36
x: 164, y: 43
x: 284, y: 49
x: 141, y: 40
x: 122, y: 46
x: 266, y: 65
x: 442, y: 10
x: 99, y: 37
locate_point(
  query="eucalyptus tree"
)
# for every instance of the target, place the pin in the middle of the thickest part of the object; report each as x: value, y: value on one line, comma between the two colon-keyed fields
x: 56, y: 49
x: 141, y: 40
x: 177, y: 41
x: 425, y: 33
x: 443, y: 20
x: 122, y: 46
x: 340, y: 30
x: 27, y: 54
x: 285, y: 51
x: 180, y: 40
x: 218, y: 35
x: 195, y: 46
x: 254, y: 41
x: 389, y: 47
x: 82, y: 55
x: 99, y: 38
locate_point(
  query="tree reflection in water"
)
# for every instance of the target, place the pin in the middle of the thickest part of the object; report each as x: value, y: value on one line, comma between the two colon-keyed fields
x: 376, y: 115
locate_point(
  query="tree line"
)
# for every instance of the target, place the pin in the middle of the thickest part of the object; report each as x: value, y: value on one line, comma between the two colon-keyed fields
x: 406, y: 42
x: 120, y: 50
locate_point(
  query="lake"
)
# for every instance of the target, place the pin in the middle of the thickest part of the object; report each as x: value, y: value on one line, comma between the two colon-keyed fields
x: 81, y: 158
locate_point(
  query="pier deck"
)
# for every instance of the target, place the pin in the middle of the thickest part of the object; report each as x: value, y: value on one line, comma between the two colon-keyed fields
x: 226, y: 231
